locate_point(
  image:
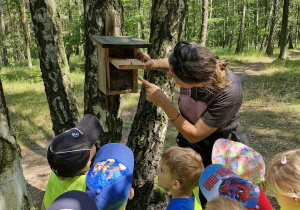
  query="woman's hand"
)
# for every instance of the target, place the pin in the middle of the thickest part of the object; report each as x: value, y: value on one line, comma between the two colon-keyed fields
x: 153, y: 93
x: 149, y: 63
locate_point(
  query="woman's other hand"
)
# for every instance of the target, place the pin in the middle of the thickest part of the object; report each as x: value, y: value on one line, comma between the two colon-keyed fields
x: 153, y: 93
x: 149, y: 63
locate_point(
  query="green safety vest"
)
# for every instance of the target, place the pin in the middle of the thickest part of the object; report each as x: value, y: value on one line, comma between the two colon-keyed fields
x: 56, y: 187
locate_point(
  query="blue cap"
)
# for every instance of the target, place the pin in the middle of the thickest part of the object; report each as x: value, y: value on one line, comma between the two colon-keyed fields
x: 109, y: 180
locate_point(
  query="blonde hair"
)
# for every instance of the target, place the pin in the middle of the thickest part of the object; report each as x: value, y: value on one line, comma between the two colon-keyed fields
x: 283, y: 174
x: 185, y: 165
x: 224, y: 203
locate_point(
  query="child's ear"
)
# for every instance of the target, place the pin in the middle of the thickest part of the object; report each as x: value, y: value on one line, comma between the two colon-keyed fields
x: 131, y: 193
x: 295, y: 201
x: 176, y: 184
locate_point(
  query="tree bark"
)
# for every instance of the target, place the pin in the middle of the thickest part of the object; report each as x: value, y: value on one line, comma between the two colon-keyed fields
x: 267, y: 26
x: 94, y: 100
x: 284, y: 30
x: 239, y: 42
x: 204, y: 22
x: 271, y: 40
x: 14, y: 194
x: 149, y: 127
x: 54, y: 65
x: 4, y: 49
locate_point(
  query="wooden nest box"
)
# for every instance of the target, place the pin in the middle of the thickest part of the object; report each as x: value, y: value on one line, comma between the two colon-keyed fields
x: 118, y: 63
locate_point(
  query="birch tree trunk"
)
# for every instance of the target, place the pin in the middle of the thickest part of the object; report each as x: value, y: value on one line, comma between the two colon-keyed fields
x: 54, y: 65
x: 149, y: 127
x: 13, y: 191
x: 204, y: 22
x: 271, y: 40
x: 94, y: 100
x: 226, y: 25
x: 239, y: 42
x: 263, y: 43
x: 4, y: 49
x: 284, y: 30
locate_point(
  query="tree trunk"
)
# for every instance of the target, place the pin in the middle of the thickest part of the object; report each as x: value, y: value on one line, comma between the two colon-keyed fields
x: 226, y: 25
x: 267, y: 27
x: 26, y: 32
x: 204, y: 22
x: 13, y: 191
x: 271, y: 40
x: 296, y: 30
x: 239, y: 42
x: 233, y: 29
x: 256, y: 28
x: 54, y: 65
x: 149, y: 127
x: 291, y: 37
x: 94, y: 100
x: 4, y: 58
x: 284, y: 30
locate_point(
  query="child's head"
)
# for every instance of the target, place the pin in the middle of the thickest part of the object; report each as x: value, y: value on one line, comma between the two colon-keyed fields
x: 239, y: 158
x: 109, y: 180
x: 75, y: 200
x: 224, y: 203
x: 217, y: 180
x: 180, y: 169
x: 283, y: 177
x: 70, y: 153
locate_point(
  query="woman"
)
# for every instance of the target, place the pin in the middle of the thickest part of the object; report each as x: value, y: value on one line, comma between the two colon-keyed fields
x: 210, y: 97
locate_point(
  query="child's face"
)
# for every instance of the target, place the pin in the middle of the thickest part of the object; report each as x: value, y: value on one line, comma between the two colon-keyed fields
x: 286, y: 203
x: 165, y: 179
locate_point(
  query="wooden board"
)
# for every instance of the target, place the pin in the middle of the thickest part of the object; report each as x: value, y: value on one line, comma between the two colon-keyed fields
x: 127, y: 64
x: 120, y: 41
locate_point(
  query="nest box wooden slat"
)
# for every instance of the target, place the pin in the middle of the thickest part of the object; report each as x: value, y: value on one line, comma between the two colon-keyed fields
x: 118, y: 63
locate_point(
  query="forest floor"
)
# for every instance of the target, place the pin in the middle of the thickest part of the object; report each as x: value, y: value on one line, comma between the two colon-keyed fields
x: 36, y: 169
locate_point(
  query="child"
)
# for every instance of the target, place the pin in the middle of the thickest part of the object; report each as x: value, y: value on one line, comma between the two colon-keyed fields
x: 179, y: 173
x: 283, y: 177
x: 224, y: 203
x: 109, y: 180
x: 217, y: 180
x: 75, y: 200
x: 69, y: 156
x: 240, y: 159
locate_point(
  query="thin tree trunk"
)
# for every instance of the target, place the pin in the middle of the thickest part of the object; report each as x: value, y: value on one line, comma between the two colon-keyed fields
x: 256, y: 28
x: 26, y: 31
x: 54, y: 65
x: 94, y: 100
x: 4, y: 49
x: 271, y: 40
x: 149, y: 127
x: 239, y: 42
x: 263, y: 43
x: 296, y: 30
x: 226, y: 25
x: 13, y: 191
x: 204, y: 22
x: 284, y: 29
x: 233, y: 28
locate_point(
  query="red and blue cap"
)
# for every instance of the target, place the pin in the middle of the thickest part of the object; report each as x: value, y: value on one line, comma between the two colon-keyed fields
x: 217, y: 180
x: 69, y: 152
x: 109, y: 180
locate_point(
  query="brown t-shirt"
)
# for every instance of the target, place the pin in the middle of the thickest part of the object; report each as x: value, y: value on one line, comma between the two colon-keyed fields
x: 217, y: 108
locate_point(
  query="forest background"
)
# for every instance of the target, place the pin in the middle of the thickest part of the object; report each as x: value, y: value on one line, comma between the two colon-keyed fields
x: 259, y: 37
